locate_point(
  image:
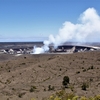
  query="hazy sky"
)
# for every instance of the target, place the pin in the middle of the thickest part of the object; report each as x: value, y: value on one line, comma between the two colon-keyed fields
x: 35, y: 20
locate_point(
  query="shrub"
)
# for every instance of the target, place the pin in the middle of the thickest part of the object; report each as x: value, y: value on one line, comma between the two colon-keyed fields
x: 84, y: 86
x: 50, y: 87
x: 62, y: 95
x: 23, y: 63
x: 91, y: 80
x: 60, y: 69
x: 84, y: 70
x: 92, y: 67
x: 20, y: 95
x: 66, y: 78
x: 32, y: 89
x: 65, y: 81
x: 77, y: 72
x: 97, y: 97
x: 82, y: 67
x: 39, y: 66
x: 32, y: 99
x: 24, y: 57
x: 71, y: 86
x: 83, y: 98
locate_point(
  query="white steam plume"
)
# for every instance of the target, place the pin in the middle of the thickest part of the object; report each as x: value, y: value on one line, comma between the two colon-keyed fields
x: 38, y: 50
x: 88, y: 30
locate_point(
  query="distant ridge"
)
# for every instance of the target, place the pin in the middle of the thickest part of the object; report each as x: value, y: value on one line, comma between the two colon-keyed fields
x: 14, y: 45
x: 41, y: 42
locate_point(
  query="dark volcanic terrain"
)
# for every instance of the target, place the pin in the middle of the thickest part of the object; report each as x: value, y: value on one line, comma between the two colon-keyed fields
x: 31, y: 76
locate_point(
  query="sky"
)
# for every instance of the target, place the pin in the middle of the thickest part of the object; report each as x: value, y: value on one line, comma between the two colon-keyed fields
x: 36, y: 20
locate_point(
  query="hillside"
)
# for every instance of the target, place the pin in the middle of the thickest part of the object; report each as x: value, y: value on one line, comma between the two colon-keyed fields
x: 39, y: 76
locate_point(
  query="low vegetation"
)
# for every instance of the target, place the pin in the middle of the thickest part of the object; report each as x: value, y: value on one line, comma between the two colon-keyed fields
x: 62, y: 95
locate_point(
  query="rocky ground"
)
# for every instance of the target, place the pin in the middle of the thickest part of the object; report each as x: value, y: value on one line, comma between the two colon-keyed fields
x: 39, y: 76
